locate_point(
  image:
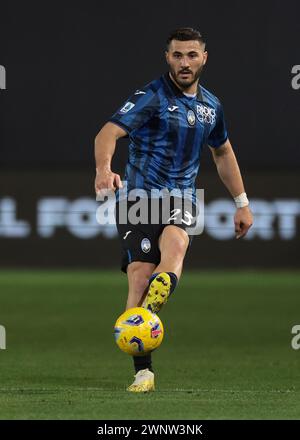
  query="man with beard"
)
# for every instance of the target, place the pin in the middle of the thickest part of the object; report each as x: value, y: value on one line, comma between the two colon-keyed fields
x: 168, y: 122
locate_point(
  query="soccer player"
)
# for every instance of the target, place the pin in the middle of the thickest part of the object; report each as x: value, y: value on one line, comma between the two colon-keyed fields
x: 168, y: 122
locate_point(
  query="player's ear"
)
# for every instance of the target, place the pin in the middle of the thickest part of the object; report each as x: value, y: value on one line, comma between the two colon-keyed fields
x: 205, y: 55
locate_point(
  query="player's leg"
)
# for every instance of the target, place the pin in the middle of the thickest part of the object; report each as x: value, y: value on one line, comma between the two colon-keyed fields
x: 173, y: 244
x: 138, y: 263
x: 138, y: 274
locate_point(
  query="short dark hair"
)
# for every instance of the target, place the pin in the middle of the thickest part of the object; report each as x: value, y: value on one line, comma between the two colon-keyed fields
x: 185, y: 34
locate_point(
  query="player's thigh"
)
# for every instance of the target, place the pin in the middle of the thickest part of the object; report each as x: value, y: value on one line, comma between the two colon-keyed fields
x: 173, y: 242
x: 138, y: 273
x: 139, y: 241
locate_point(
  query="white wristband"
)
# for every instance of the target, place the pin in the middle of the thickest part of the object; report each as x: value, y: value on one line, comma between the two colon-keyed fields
x: 241, y: 200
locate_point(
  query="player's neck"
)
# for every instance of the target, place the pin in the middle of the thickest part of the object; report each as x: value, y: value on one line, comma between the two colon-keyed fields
x: 190, y: 90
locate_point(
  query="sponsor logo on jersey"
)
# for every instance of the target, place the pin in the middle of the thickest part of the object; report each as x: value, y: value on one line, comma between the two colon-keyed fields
x: 206, y: 114
x: 128, y: 106
x: 173, y: 107
x: 126, y: 235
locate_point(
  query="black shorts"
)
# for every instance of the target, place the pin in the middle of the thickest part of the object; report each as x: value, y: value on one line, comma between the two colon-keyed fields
x: 139, y: 240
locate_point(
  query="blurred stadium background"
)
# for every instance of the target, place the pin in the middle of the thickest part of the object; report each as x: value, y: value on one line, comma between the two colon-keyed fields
x: 65, y: 68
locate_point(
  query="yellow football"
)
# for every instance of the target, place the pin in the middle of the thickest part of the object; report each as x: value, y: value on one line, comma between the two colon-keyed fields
x: 138, y: 331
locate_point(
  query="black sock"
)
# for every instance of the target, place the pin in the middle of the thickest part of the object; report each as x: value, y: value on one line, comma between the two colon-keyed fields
x: 142, y: 362
x: 174, y: 281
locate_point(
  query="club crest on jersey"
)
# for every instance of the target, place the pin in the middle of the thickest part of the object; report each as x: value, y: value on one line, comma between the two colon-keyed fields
x: 145, y: 245
x: 191, y: 117
x: 128, y: 106
x: 206, y: 114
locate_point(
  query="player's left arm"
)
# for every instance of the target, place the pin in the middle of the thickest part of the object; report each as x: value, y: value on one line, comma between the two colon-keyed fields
x: 229, y: 172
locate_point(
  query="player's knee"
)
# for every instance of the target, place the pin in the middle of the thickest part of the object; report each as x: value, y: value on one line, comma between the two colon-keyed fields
x: 176, y: 249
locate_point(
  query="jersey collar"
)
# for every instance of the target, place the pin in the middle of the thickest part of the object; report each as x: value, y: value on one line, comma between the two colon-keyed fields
x: 176, y: 91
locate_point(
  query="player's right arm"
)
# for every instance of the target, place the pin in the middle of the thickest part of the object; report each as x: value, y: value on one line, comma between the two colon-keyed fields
x: 129, y: 118
x: 105, y: 145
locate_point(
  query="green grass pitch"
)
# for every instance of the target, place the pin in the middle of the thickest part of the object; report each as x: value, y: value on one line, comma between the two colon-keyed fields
x: 226, y: 353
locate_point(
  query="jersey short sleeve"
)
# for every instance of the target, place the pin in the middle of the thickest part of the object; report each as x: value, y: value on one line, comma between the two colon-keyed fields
x: 136, y: 111
x: 219, y: 134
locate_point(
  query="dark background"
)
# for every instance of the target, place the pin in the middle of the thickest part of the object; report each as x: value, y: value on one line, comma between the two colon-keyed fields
x: 70, y: 65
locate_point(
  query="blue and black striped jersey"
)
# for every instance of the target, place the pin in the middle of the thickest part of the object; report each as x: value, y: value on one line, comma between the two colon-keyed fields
x: 167, y: 132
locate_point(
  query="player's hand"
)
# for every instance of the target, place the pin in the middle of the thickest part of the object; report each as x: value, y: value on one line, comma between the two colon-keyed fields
x: 243, y: 220
x: 106, y: 181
